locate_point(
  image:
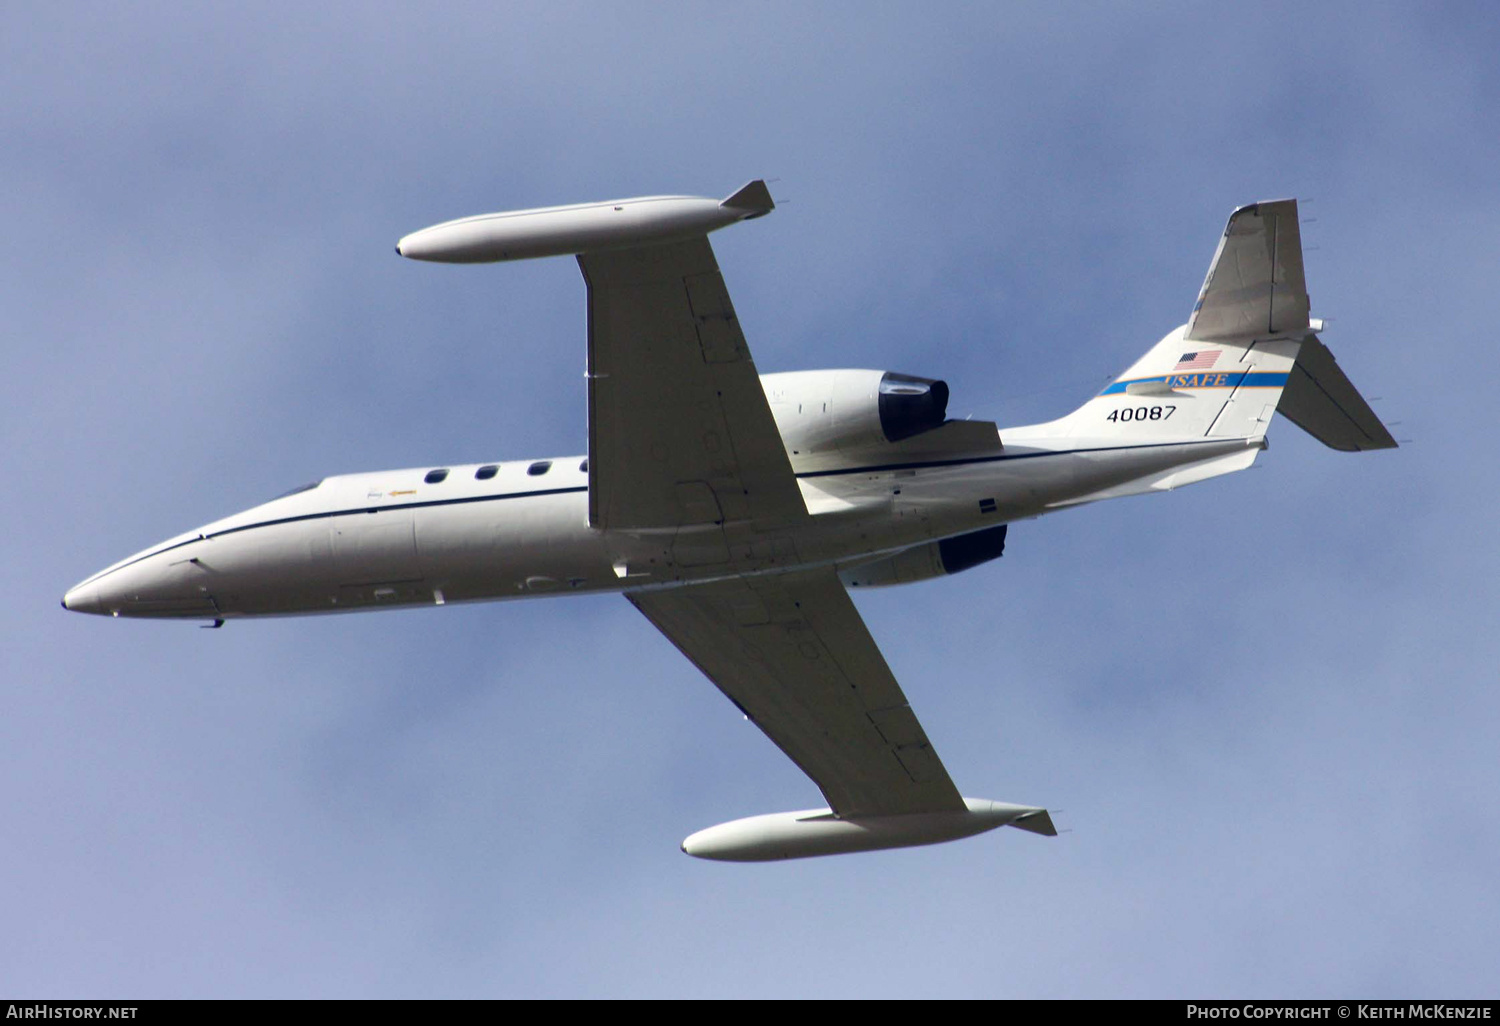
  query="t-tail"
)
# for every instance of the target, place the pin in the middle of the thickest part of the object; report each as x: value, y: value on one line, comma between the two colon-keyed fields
x: 1248, y: 349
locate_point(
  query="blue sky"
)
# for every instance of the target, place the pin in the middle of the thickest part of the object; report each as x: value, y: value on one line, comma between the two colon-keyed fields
x: 1265, y: 705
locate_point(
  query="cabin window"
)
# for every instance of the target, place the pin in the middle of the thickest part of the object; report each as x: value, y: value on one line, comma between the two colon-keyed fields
x: 539, y: 468
x: 486, y: 472
x: 584, y: 466
x: 436, y: 476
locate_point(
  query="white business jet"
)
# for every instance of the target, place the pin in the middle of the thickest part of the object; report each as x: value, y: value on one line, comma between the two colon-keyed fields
x: 735, y: 509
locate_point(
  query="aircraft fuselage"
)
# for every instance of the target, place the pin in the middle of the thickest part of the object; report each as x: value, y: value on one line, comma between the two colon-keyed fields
x: 393, y: 538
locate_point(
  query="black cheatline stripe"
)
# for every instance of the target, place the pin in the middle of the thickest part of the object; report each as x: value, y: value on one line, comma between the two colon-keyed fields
x: 875, y: 469
x: 385, y: 509
x: 337, y: 513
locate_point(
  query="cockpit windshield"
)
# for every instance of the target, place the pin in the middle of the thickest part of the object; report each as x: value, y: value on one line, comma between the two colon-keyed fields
x: 299, y: 489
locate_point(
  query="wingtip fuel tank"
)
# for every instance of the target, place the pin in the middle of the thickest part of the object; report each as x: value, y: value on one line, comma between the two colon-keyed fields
x: 797, y: 835
x: 583, y: 227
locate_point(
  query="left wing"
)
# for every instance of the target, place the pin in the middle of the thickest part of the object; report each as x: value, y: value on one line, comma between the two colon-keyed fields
x: 680, y: 432
x: 791, y: 652
x: 679, y: 428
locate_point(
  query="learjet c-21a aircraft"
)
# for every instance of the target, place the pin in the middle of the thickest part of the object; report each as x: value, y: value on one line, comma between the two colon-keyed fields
x: 734, y: 509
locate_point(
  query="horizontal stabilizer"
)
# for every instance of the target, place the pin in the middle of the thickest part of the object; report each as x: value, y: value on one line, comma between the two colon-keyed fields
x: 1320, y: 399
x: 752, y: 196
x: 1039, y: 822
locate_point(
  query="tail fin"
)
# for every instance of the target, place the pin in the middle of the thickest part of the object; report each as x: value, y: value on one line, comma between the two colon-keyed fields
x: 1185, y: 389
x: 1222, y: 374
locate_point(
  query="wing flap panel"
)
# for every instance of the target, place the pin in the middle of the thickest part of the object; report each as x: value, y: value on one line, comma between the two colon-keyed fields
x: 719, y: 336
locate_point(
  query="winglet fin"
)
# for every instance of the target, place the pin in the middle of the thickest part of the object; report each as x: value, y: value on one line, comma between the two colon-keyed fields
x: 752, y: 196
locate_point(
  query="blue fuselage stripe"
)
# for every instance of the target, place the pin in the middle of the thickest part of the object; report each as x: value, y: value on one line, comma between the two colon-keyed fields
x: 1210, y: 379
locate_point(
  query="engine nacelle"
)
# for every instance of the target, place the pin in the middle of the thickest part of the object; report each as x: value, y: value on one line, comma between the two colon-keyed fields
x: 935, y: 559
x: 852, y: 411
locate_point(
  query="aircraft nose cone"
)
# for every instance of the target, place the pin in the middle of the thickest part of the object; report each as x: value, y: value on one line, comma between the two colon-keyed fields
x: 82, y: 599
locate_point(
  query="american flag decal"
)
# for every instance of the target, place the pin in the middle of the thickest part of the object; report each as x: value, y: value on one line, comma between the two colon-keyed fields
x: 1203, y: 359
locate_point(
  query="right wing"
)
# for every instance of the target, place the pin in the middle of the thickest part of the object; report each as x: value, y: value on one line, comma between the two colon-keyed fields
x: 1255, y: 287
x: 791, y: 652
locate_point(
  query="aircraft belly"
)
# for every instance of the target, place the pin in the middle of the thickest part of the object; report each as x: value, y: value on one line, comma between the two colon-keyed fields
x: 869, y: 512
x: 1095, y: 471
x: 537, y: 545
x: 302, y: 566
x: 370, y: 547
x: 155, y: 587
x: 269, y: 569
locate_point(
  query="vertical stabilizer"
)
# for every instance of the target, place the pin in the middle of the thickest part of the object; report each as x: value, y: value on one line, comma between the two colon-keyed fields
x: 1255, y: 286
x: 1182, y: 389
x: 1221, y: 374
